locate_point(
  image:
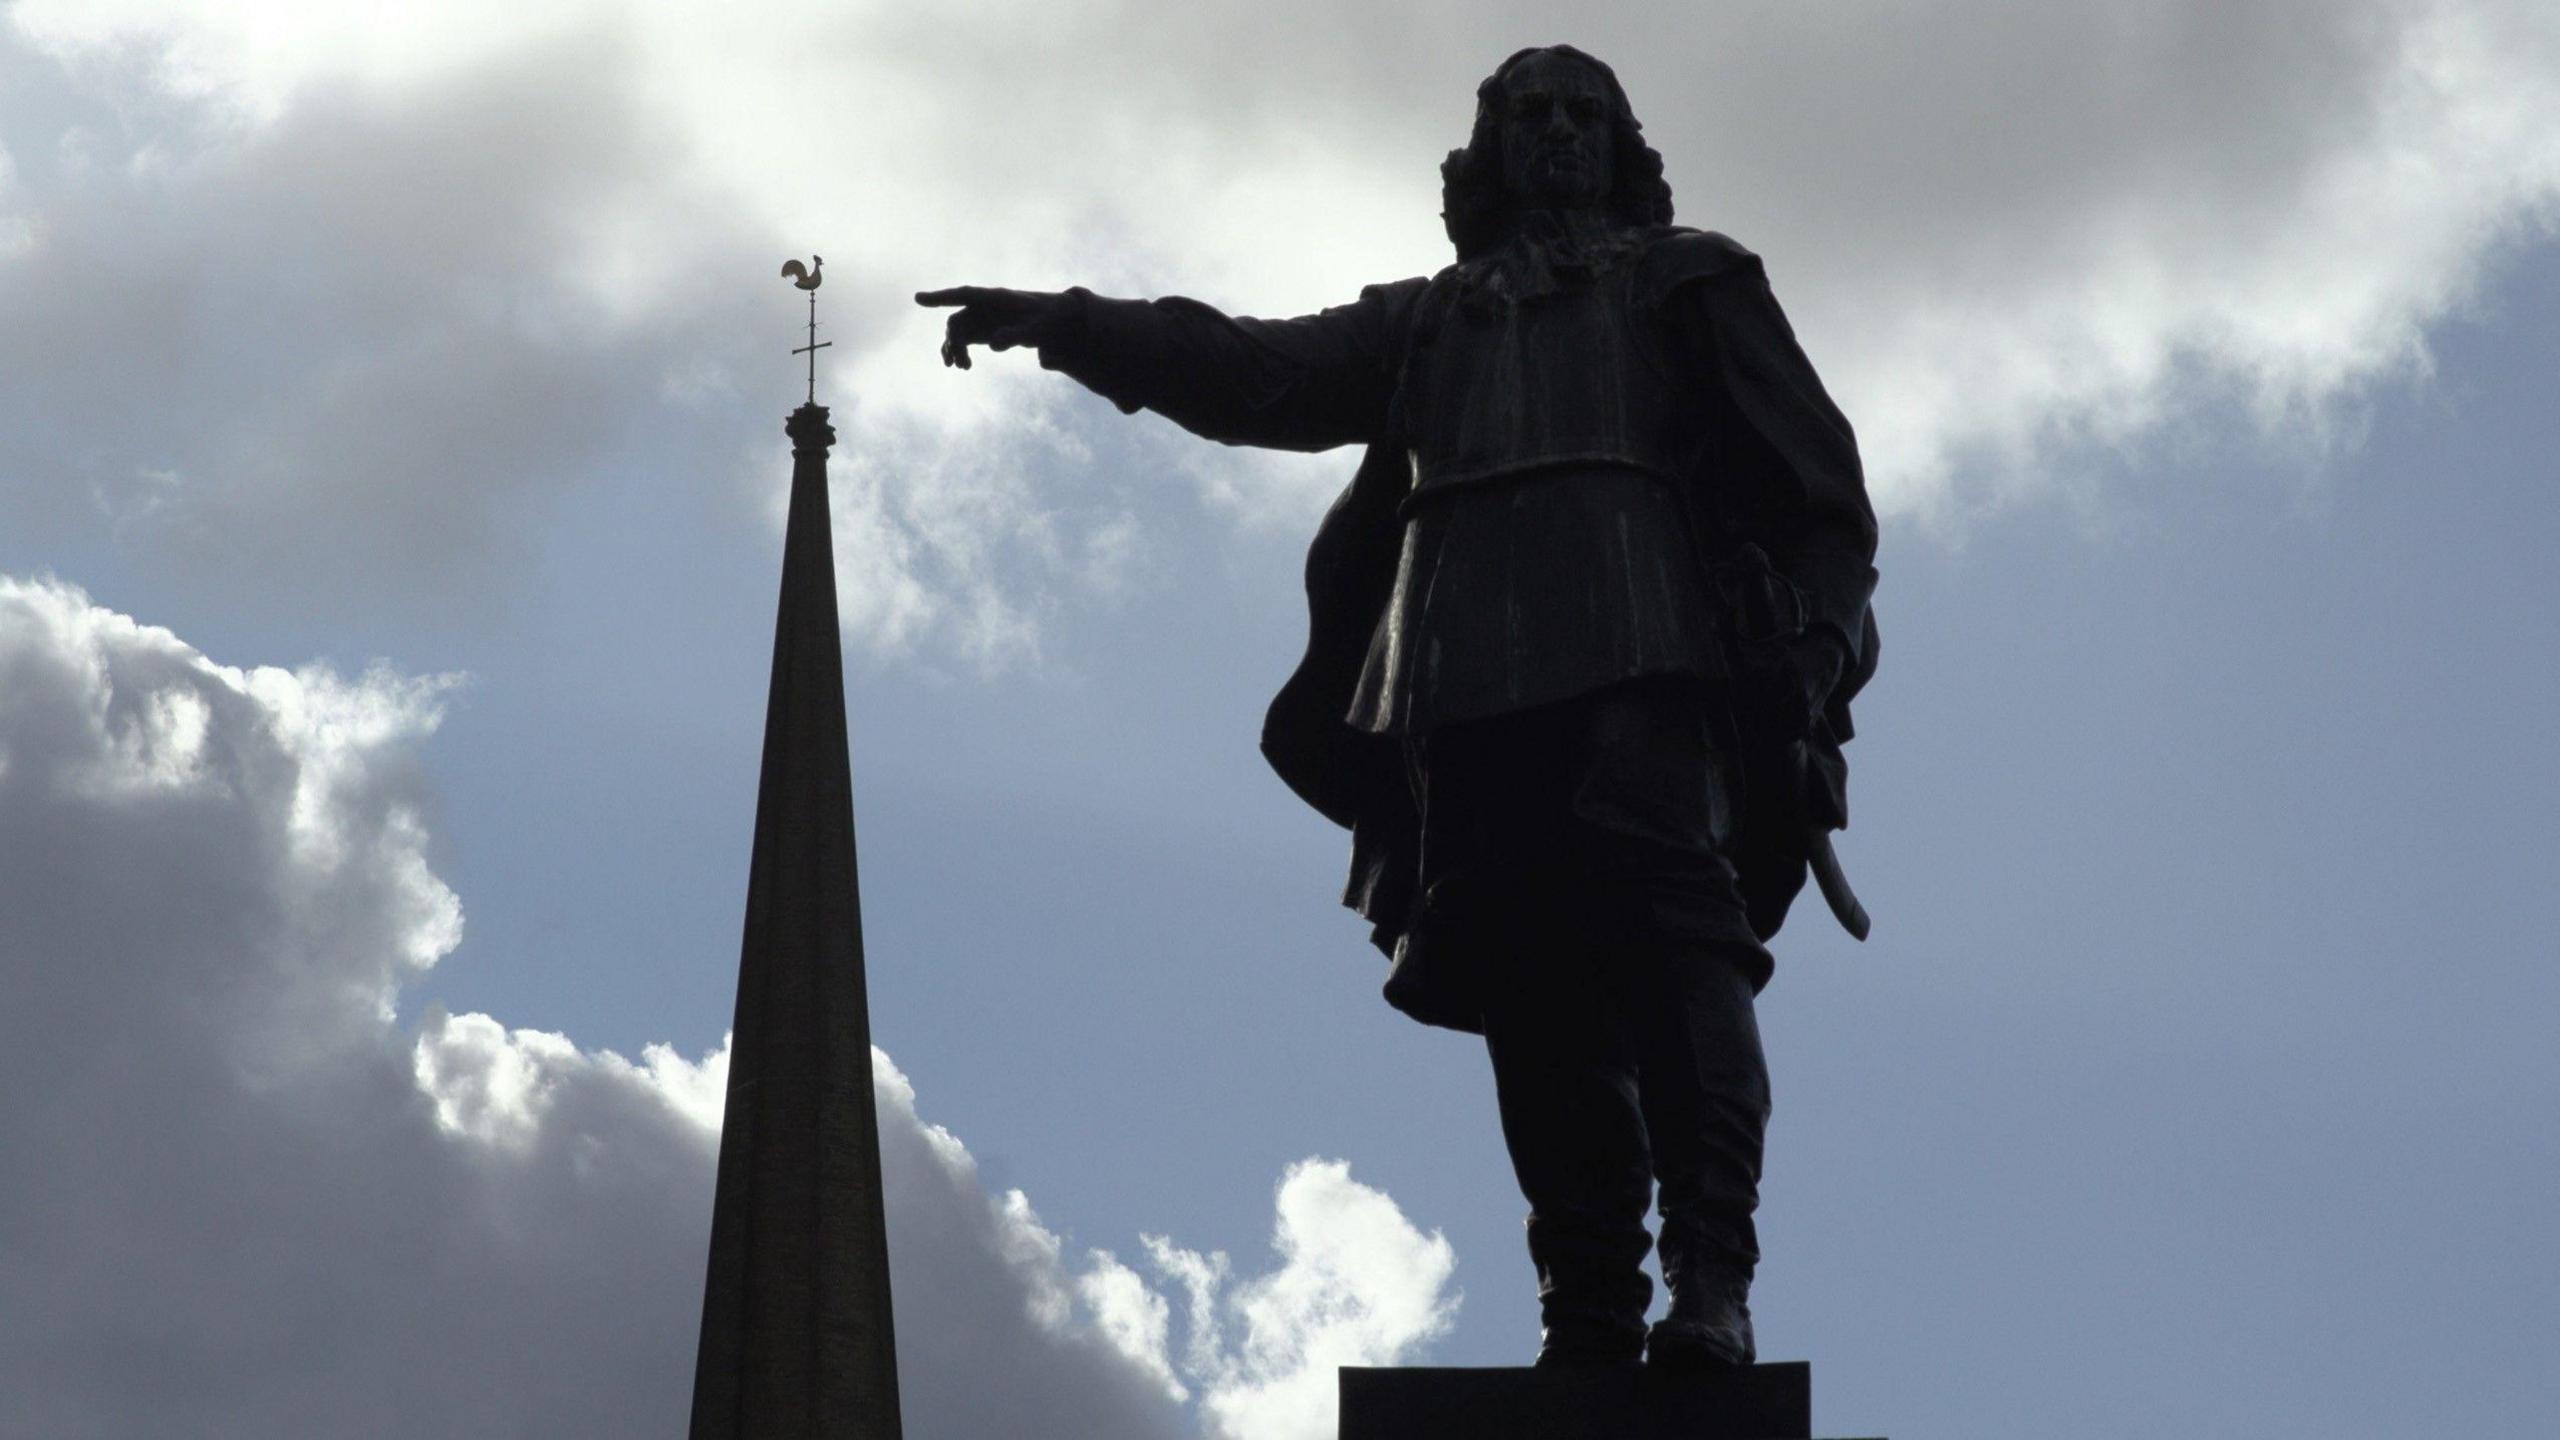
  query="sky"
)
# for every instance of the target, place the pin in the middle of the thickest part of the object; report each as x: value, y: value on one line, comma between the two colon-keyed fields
x: 391, y: 479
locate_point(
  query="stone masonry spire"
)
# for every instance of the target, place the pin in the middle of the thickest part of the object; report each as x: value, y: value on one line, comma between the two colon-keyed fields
x: 797, y: 1342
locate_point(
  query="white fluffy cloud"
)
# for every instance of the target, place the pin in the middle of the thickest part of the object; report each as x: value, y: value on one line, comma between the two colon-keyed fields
x: 1357, y: 1285
x: 2005, y: 233
x: 243, y: 1198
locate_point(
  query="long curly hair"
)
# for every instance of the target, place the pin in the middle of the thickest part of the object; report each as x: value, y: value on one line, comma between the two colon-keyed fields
x: 1473, y: 203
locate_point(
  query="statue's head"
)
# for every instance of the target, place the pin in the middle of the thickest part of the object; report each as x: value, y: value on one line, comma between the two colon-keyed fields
x: 1553, y: 131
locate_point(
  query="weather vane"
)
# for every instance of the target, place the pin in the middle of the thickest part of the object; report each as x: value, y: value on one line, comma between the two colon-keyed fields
x: 807, y: 278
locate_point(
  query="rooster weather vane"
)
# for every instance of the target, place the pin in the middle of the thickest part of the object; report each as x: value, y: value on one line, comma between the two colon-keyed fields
x: 807, y: 278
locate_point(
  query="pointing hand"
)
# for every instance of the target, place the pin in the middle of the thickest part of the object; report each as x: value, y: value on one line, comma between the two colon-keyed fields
x: 997, y: 319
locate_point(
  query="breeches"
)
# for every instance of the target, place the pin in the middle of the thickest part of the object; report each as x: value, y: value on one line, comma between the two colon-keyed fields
x: 1571, y: 856
x: 1600, y: 818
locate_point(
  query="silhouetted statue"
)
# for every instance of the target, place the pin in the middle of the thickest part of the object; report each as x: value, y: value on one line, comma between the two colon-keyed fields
x: 1585, y: 628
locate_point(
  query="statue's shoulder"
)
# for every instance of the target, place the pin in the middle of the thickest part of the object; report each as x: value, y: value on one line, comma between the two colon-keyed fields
x: 1449, y: 278
x: 1675, y: 255
x: 1401, y: 292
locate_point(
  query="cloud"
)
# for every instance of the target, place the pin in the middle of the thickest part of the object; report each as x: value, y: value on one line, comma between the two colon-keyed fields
x: 342, y: 347
x: 2101, y: 224
x: 243, y: 1198
x: 945, y: 551
x: 379, y: 276
x: 1357, y: 1284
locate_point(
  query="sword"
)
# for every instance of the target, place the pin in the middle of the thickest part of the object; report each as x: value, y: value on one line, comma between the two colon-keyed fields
x: 1835, y: 886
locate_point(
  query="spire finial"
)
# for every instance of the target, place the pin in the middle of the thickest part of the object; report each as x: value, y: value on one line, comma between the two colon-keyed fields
x: 808, y: 278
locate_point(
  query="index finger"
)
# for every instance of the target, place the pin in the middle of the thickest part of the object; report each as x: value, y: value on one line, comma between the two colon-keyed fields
x: 956, y: 295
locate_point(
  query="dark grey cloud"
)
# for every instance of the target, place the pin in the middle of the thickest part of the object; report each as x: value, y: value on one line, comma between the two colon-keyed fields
x: 2012, y: 237
x: 243, y: 1200
x: 2003, y: 230
x: 334, y: 351
x: 339, y: 310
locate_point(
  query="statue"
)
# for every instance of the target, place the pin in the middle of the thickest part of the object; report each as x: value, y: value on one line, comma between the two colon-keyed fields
x: 1584, y: 631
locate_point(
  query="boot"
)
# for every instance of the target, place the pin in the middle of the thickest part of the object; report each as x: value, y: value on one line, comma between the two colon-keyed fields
x: 1709, y: 1324
x: 1591, y: 1292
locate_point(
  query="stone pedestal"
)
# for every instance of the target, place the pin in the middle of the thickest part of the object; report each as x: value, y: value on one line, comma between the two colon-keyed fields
x: 1763, y: 1402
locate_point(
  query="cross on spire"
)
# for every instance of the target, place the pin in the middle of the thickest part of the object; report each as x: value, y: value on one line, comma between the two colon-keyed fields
x: 808, y: 278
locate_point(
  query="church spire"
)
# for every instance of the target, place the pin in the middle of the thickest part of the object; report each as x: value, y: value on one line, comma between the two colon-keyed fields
x: 796, y: 1332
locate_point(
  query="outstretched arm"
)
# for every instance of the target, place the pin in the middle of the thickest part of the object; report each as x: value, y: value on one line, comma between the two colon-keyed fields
x: 1309, y: 383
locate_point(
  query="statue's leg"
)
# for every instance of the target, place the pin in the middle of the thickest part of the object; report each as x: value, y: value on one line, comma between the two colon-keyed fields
x: 1683, y: 971
x: 1501, y: 878
x: 1705, y: 1092
x: 1566, y: 1081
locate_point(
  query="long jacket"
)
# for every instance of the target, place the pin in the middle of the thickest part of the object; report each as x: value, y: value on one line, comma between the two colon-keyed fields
x: 1780, y: 472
